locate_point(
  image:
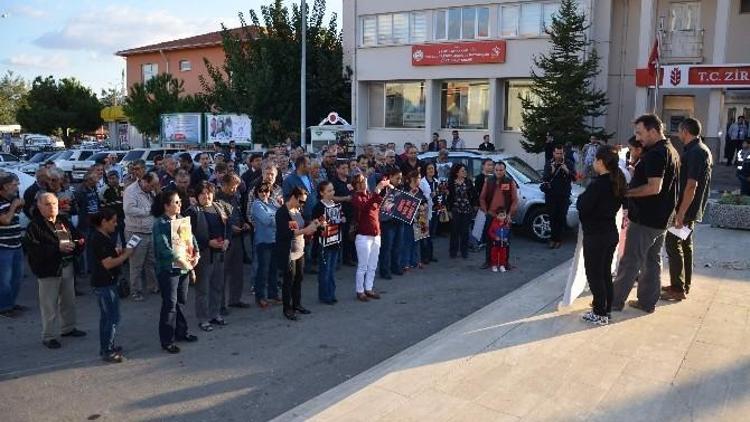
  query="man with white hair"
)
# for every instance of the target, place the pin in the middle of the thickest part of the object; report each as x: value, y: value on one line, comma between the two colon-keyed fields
x: 51, y: 243
x: 137, y: 200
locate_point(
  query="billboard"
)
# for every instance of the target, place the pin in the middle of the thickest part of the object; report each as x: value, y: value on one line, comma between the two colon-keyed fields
x: 477, y: 52
x: 228, y: 127
x: 181, y: 128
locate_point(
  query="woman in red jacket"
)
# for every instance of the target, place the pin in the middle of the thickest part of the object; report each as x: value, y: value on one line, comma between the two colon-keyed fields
x: 367, y: 242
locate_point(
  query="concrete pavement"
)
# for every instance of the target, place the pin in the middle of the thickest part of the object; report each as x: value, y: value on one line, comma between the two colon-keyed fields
x: 521, y: 359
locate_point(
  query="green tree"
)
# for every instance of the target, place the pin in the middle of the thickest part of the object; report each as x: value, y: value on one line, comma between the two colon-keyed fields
x: 159, y: 95
x: 64, y: 108
x: 260, y: 75
x: 13, y: 89
x: 111, y: 97
x: 563, y: 100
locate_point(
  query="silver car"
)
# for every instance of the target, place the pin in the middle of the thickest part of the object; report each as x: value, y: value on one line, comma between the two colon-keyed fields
x: 532, y: 213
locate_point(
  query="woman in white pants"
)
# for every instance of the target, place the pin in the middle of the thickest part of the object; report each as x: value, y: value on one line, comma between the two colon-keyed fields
x: 367, y: 228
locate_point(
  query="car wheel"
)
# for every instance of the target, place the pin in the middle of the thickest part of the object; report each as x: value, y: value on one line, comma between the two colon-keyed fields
x: 539, y: 224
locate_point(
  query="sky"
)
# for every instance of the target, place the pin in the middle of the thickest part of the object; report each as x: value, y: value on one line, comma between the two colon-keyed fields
x: 78, y: 38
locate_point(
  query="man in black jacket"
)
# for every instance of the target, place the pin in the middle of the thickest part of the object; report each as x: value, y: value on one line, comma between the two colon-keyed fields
x: 558, y: 176
x: 51, y: 243
x: 29, y: 196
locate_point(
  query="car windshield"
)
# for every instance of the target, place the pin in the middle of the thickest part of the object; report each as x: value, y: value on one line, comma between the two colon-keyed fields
x: 133, y: 155
x: 98, y: 156
x: 38, y: 157
x: 522, y: 172
x: 64, y: 155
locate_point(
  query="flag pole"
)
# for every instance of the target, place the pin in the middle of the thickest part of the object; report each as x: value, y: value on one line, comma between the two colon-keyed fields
x: 658, y: 70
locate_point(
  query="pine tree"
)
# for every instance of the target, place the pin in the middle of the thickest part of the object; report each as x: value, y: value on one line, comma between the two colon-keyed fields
x: 563, y: 100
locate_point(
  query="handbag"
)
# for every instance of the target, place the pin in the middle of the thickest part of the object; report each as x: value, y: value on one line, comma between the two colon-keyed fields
x: 444, y: 216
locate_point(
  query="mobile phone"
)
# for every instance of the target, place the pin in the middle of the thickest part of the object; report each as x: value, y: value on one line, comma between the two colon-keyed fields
x: 133, y: 241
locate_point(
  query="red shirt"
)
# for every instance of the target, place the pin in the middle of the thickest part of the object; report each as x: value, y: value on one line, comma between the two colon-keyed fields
x: 366, y: 213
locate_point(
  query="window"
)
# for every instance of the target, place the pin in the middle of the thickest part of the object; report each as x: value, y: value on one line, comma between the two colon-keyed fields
x: 549, y: 9
x: 401, y: 28
x: 465, y: 105
x: 509, y: 21
x: 404, y: 104
x: 685, y: 16
x: 185, y: 65
x: 418, y: 27
x: 483, y: 22
x: 376, y: 107
x: 385, y: 29
x: 513, y: 107
x: 530, y: 22
x: 454, y: 24
x: 468, y: 19
x: 148, y: 71
x: 369, y: 31
x: 744, y: 6
x: 440, y: 24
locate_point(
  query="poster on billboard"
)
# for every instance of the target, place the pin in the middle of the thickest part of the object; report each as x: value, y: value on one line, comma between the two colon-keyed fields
x: 228, y: 127
x: 181, y: 128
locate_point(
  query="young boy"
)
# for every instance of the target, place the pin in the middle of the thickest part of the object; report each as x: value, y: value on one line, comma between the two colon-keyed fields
x: 498, y: 233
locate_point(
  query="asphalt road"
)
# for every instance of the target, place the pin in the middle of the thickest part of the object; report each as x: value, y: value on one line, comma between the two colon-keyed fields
x: 258, y: 366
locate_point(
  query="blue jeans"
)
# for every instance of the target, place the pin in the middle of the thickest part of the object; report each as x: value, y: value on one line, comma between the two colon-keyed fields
x: 389, y: 248
x: 172, y: 322
x: 11, y: 274
x: 266, y: 275
x: 109, y: 317
x: 409, y: 248
x: 328, y: 260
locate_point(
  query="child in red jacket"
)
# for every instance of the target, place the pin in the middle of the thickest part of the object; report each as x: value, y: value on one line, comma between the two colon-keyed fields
x: 498, y: 233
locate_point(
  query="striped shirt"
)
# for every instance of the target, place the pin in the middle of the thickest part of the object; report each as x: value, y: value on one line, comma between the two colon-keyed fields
x: 11, y: 234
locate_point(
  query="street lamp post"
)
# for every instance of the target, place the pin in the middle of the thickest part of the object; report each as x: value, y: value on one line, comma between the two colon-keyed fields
x: 303, y: 76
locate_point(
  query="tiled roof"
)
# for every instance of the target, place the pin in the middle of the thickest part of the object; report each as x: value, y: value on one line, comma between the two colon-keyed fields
x: 198, y: 41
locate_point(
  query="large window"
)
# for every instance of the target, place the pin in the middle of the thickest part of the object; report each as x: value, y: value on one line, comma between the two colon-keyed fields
x: 394, y: 29
x: 185, y: 66
x: 465, y: 104
x: 513, y: 107
x: 744, y: 6
x: 404, y: 104
x: 397, y: 105
x: 526, y: 19
x: 148, y: 71
x: 465, y: 23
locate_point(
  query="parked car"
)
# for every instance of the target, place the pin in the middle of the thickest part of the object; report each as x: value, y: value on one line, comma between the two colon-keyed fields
x: 147, y: 155
x: 532, y: 213
x: 8, y: 160
x: 32, y: 164
x: 80, y: 168
x: 25, y: 181
x: 65, y: 162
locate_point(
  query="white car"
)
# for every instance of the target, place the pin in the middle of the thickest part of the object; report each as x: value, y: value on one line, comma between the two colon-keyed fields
x: 8, y: 160
x: 25, y: 181
x: 66, y: 161
x: 31, y: 165
x: 80, y: 168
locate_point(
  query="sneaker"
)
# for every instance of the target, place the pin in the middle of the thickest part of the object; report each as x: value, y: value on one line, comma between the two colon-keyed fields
x: 137, y: 297
x: 52, y: 344
x: 595, y: 319
x: 113, y: 357
x: 494, y: 269
x: 502, y: 269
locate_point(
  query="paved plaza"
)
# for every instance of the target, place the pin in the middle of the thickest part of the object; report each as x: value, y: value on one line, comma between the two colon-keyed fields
x: 521, y: 359
x: 256, y: 368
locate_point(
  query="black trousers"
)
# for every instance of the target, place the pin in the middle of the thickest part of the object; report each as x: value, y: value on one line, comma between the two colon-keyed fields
x: 172, y: 323
x: 459, y: 240
x: 598, y: 251
x: 291, y: 287
x: 680, y: 254
x: 558, y: 212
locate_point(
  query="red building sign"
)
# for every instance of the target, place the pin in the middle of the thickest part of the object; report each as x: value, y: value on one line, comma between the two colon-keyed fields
x: 697, y: 76
x: 476, y: 52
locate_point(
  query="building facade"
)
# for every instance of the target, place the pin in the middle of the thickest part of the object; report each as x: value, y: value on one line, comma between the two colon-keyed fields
x: 434, y: 66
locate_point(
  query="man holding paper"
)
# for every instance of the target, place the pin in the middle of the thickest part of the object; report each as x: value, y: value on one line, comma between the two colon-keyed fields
x: 695, y: 177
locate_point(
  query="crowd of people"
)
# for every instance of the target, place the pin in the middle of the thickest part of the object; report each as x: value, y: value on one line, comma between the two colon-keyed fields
x: 289, y: 214
x: 292, y: 213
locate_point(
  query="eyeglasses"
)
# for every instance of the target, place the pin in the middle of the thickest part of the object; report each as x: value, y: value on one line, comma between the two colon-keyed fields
x: 302, y: 202
x: 177, y: 202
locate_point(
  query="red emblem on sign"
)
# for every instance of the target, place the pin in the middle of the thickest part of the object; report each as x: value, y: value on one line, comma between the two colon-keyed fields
x: 675, y: 76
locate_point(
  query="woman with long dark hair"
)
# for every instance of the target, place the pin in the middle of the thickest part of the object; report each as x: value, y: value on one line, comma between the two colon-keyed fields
x: 430, y: 188
x: 597, y: 208
x: 172, y: 271
x: 410, y: 246
x: 263, y: 213
x: 461, y: 200
x: 209, y: 220
x: 290, y: 250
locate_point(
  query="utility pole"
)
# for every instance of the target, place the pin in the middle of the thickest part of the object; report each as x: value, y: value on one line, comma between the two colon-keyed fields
x: 303, y: 76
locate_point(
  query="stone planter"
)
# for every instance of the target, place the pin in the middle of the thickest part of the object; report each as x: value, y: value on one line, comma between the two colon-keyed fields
x: 728, y: 216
